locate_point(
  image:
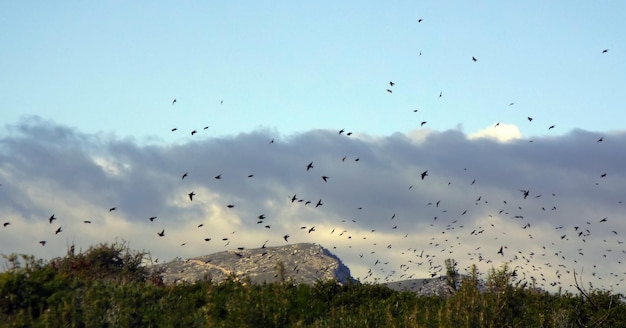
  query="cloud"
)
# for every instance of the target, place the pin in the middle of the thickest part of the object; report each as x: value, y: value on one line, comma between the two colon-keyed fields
x: 377, y: 212
x: 501, y: 132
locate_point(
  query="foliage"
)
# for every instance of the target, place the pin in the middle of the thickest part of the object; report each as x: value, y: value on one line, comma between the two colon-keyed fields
x: 107, y: 286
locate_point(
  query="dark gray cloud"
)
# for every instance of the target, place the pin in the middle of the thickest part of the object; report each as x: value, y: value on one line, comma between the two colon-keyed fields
x: 470, y: 203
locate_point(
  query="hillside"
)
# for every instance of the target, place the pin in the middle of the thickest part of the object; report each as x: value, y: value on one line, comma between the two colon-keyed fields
x: 301, y: 263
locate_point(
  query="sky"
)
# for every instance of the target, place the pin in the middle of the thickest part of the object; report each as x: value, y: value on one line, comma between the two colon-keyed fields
x: 490, y: 99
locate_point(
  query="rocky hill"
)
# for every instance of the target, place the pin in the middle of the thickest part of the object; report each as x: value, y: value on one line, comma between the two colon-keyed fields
x: 301, y: 263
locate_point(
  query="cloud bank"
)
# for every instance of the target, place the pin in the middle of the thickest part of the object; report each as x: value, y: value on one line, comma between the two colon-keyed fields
x: 554, y: 204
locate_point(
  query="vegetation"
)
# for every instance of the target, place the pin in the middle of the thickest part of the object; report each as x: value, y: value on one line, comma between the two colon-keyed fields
x: 107, y: 286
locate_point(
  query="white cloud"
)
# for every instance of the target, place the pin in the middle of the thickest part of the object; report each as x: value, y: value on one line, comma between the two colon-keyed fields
x: 503, y: 132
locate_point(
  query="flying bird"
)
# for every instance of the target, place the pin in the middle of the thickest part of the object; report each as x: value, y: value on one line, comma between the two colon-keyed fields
x: 6, y: 224
x: 52, y: 218
x: 112, y: 209
x: 419, y: 20
x: 319, y: 203
x: 87, y: 221
x: 309, y: 166
x: 42, y: 242
x: 58, y: 230
x: 605, y: 51
x: 389, y: 90
x: 162, y: 233
x: 184, y: 176
x: 219, y: 176
x: 230, y: 206
x: 391, y: 83
x: 474, y: 59
x: 501, y: 252
x: 173, y: 101
x: 325, y: 178
x: 423, y: 122
x: 152, y: 218
x: 194, y: 132
x: 191, y: 194
x: 551, y: 127
x: 285, y: 237
x: 312, y: 229
x: 530, y: 119
x: 424, y: 174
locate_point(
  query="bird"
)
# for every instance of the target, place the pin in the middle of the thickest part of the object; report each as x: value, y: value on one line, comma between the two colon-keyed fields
x: 193, y: 132
x: 52, y: 218
x: 391, y: 83
x: 342, y: 131
x: 424, y: 174
x: 601, y: 139
x: 440, y: 94
x: 152, y: 218
x: 389, y: 90
x: 58, y: 230
x: 191, y: 194
x: 112, y: 209
x: 551, y: 127
x: 42, y: 242
x: 87, y: 221
x: 530, y: 119
x: 184, y: 176
x: 605, y: 51
x: 319, y: 203
x: 419, y: 20
x: 174, y: 101
x: 285, y: 237
x: 219, y: 176
x: 309, y: 166
x: 230, y: 205
x: 423, y: 122
x: 325, y: 178
x: 6, y: 224
x: 474, y: 59
x: 174, y: 129
x: 312, y: 229
x: 162, y: 233
x: 501, y: 252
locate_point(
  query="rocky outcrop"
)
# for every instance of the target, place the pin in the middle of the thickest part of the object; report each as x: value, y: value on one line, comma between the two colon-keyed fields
x: 296, y: 263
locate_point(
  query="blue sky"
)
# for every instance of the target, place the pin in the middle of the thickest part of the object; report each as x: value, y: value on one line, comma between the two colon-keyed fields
x: 87, y: 92
x: 294, y: 66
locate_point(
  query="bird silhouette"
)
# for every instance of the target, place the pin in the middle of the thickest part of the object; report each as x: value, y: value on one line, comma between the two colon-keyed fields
x: 424, y: 174
x: 162, y: 233
x: 174, y: 101
x: 325, y: 178
x: 389, y: 90
x: 605, y: 51
x: 501, y: 251
x: 42, y: 242
x: 152, y: 218
x: 52, y: 218
x: 6, y: 224
x: 309, y: 166
x: 391, y: 83
x: 184, y: 176
x: 191, y: 194
x: 58, y: 231
x: 474, y: 59
x: 112, y: 209
x: 319, y: 203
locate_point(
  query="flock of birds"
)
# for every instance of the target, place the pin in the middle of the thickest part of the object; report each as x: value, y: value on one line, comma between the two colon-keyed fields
x: 446, y: 229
